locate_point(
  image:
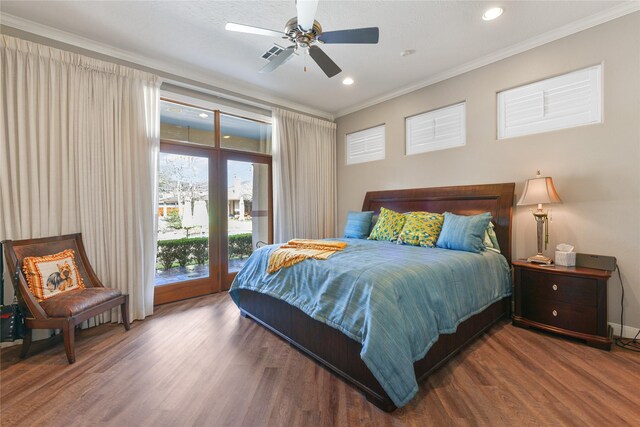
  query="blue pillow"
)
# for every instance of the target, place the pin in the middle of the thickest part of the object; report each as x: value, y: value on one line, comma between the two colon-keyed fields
x: 463, y: 233
x: 358, y: 225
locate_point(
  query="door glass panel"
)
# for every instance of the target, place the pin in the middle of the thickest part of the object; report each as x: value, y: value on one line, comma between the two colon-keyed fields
x: 183, y: 218
x: 184, y: 123
x: 247, y: 209
x: 243, y: 134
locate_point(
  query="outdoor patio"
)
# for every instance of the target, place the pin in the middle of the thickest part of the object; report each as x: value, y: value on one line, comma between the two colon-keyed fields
x: 190, y: 272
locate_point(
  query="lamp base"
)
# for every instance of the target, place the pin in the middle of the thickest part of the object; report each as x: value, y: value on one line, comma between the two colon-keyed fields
x: 540, y: 259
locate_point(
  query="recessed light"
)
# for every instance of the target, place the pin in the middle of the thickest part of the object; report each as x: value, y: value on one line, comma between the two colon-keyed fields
x: 492, y: 13
x: 203, y: 115
x: 348, y: 81
x: 226, y: 136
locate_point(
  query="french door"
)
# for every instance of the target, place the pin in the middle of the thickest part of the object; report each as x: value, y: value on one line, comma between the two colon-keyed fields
x: 188, y: 228
x: 214, y: 194
x: 248, y: 200
x: 215, y: 209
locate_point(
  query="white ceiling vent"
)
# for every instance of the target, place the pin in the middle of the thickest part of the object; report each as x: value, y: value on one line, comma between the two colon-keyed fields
x: 274, y: 51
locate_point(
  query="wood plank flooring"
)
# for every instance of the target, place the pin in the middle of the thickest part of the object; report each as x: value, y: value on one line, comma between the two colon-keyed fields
x: 197, y: 362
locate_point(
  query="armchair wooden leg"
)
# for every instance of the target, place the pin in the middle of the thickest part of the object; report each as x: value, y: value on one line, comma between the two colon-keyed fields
x: 69, y: 332
x: 124, y: 307
x: 26, y: 342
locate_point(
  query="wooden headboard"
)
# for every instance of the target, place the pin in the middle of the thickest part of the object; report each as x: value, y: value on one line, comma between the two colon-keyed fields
x: 463, y: 200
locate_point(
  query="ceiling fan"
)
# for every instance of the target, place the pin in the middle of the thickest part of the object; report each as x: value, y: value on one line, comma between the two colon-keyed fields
x: 306, y: 33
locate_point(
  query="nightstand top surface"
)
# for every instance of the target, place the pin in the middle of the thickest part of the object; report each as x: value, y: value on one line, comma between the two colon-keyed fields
x: 558, y: 269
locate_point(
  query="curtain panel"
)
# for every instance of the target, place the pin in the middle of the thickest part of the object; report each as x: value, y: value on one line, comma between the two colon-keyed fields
x: 78, y: 153
x: 304, y: 162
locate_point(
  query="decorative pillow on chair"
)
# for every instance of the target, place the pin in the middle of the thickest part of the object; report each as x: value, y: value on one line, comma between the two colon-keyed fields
x: 389, y: 225
x: 421, y: 229
x: 52, y: 275
x: 358, y: 225
x: 464, y: 233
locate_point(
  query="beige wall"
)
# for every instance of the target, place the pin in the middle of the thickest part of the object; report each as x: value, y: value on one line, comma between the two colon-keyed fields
x: 596, y: 168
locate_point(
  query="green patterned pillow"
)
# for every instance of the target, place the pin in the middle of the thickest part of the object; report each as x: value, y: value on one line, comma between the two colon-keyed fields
x: 389, y: 225
x: 421, y: 229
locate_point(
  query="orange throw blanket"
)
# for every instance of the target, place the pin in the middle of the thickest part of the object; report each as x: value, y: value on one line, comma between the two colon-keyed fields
x: 297, y: 250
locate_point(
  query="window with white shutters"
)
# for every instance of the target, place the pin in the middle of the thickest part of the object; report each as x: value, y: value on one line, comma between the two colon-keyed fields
x: 570, y: 100
x: 366, y: 145
x: 436, y: 130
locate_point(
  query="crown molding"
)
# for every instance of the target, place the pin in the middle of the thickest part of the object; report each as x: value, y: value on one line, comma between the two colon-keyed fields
x: 174, y: 74
x: 550, y: 36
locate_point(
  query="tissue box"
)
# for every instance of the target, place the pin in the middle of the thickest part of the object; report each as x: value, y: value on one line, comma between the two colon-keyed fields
x: 568, y: 259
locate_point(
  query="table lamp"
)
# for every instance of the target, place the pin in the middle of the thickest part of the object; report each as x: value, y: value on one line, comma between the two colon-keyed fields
x: 537, y: 191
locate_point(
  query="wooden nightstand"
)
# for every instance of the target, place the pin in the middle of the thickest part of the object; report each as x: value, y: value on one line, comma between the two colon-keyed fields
x: 571, y: 301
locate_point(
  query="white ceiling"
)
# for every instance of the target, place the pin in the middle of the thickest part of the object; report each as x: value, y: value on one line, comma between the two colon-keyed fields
x: 449, y: 37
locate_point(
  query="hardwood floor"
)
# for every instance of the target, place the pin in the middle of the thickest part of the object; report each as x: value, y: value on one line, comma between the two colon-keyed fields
x: 197, y: 362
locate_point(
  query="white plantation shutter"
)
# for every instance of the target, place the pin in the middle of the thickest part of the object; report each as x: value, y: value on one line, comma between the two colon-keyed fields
x: 366, y: 145
x: 436, y: 130
x: 561, y: 102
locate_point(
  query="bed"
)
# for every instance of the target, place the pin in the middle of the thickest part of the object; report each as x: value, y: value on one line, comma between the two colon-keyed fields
x: 349, y: 348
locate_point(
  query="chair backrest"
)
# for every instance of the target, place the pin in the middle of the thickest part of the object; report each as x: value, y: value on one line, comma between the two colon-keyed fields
x: 17, y: 250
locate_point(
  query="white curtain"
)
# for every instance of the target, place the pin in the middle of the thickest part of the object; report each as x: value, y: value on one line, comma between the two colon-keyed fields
x: 304, y: 162
x: 78, y: 153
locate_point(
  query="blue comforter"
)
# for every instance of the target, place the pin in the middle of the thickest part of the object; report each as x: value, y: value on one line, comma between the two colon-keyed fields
x: 393, y: 299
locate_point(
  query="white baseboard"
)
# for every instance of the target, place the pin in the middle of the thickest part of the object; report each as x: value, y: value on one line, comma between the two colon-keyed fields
x: 38, y: 334
x: 629, y: 331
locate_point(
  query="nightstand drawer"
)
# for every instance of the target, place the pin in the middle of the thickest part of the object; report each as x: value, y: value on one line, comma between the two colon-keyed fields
x: 562, y: 315
x: 579, y: 291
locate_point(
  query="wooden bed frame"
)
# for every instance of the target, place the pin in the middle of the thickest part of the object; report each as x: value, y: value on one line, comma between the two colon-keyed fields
x: 341, y: 354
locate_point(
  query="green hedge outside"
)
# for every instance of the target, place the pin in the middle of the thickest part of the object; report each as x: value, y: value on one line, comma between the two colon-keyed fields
x: 195, y: 250
x: 240, y: 245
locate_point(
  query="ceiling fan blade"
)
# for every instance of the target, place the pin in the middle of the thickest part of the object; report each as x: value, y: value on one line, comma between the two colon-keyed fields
x: 231, y: 26
x: 356, y: 35
x: 328, y: 66
x: 306, y: 13
x: 279, y: 59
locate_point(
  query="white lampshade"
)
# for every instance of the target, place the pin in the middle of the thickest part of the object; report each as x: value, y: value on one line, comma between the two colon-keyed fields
x: 539, y: 190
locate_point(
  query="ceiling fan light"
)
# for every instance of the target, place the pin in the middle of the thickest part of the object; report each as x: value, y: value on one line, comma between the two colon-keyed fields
x: 491, y: 14
x: 347, y: 81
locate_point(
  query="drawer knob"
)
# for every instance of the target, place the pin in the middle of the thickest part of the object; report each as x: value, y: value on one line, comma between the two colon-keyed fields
x: 555, y: 287
x: 555, y: 313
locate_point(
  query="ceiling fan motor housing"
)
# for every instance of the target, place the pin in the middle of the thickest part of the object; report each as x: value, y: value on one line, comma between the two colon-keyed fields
x: 299, y: 36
